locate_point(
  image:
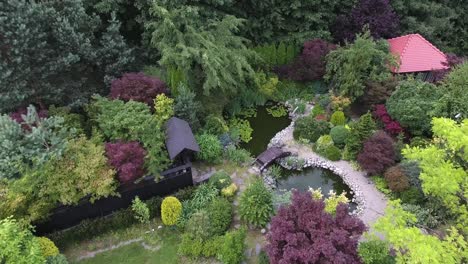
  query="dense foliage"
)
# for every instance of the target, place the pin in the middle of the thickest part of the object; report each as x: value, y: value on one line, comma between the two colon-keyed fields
x: 455, y: 99
x: 56, y: 52
x: 378, y: 153
x: 390, y: 126
x: 18, y: 245
x: 127, y: 158
x: 350, y: 67
x: 377, y: 15
x: 304, y: 233
x: 233, y: 247
x: 210, y: 148
x: 360, y: 131
x: 413, y: 105
x: 375, y: 251
x: 256, y: 204
x: 396, y: 179
x: 187, y: 108
x: 220, y: 215
x: 339, y: 135
x: 310, y: 129
x: 137, y: 87
x: 446, y: 156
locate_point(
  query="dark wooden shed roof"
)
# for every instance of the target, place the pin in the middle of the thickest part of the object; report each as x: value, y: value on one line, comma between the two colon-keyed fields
x: 179, y: 137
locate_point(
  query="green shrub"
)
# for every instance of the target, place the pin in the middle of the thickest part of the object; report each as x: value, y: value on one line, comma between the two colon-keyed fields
x: 375, y: 252
x: 140, y: 210
x: 171, y: 209
x: 256, y: 204
x: 215, y: 125
x: 243, y: 128
x: 338, y: 118
x: 411, y: 196
x: 263, y: 258
x: 220, y: 180
x: 396, y: 179
x: 332, y: 153
x: 202, y: 196
x: 199, y: 225
x: 233, y: 247
x: 210, y: 148
x: 211, y: 246
x: 220, y: 215
x: 48, y: 247
x: 339, y: 135
x: 229, y: 191
x: 59, y: 259
x: 317, y: 110
x: 381, y: 185
x: 154, y: 206
x: 323, y: 143
x: 276, y: 171
x: 237, y: 155
x: 190, y: 246
x: 427, y: 216
x: 310, y: 129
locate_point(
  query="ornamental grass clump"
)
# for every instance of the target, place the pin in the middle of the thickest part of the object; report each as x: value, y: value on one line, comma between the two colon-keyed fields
x: 256, y: 204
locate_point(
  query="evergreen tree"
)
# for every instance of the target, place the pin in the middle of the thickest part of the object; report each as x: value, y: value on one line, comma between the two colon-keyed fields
x: 186, y: 107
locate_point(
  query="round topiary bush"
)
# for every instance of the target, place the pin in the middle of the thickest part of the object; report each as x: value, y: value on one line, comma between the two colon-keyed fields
x: 339, y: 134
x: 310, y: 129
x: 171, y: 208
x: 338, y: 118
x: 396, y: 179
x: 322, y: 143
x: 48, y: 247
x: 137, y: 87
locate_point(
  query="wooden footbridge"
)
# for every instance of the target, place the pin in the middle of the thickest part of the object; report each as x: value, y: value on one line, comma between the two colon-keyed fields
x: 269, y: 156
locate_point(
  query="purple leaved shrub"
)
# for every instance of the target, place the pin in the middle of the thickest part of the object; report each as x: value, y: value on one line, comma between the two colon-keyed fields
x: 137, y: 87
x: 128, y: 159
x: 378, y: 15
x: 304, y: 233
x: 377, y: 154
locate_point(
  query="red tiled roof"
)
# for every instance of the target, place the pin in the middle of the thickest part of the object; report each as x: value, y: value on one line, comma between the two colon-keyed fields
x: 416, y: 54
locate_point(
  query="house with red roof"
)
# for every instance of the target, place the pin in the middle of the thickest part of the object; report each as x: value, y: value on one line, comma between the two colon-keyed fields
x: 416, y: 55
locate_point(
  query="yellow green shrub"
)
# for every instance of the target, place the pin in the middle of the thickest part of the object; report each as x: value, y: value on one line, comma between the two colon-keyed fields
x: 171, y: 209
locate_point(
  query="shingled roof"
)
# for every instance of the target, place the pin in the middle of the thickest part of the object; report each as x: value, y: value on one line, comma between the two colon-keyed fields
x: 179, y: 137
x: 416, y: 54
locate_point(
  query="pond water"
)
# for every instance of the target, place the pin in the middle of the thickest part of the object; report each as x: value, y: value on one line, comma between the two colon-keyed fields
x: 314, y: 178
x: 265, y: 127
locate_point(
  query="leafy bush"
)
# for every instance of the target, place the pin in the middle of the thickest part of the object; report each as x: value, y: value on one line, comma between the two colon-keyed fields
x: 70, y: 120
x: 215, y: 125
x: 304, y: 227
x: 339, y: 135
x: 171, y: 208
x: 201, y: 197
x: 237, y: 155
x: 210, y: 148
x: 391, y: 126
x: 128, y: 159
x: 211, y: 246
x: 377, y: 154
x: 310, y: 129
x: 220, y: 180
x: 381, y: 185
x: 48, y: 247
x: 190, y: 246
x: 256, y: 204
x: 199, y: 225
x: 276, y: 171
x: 378, y: 92
x: 263, y: 258
x: 411, y: 196
x: 140, y: 210
x: 137, y: 87
x: 426, y: 216
x: 375, y: 251
x: 33, y: 142
x: 413, y: 103
x: 396, y: 179
x: 317, y: 110
x: 360, y: 131
x: 338, y: 118
x: 348, y: 77
x: 220, y: 215
x: 412, y: 171
x: 59, y: 259
x: 233, y: 247
x: 332, y: 153
x: 229, y: 191
x: 163, y: 108
x: 322, y: 143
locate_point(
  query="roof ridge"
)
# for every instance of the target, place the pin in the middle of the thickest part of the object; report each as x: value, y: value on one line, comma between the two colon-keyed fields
x: 403, y: 51
x: 430, y: 44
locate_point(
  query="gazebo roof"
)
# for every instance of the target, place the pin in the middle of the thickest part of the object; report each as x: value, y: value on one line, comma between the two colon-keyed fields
x: 416, y: 54
x: 179, y: 137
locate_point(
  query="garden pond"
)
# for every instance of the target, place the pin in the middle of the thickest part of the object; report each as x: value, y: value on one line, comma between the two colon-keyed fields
x: 265, y: 126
